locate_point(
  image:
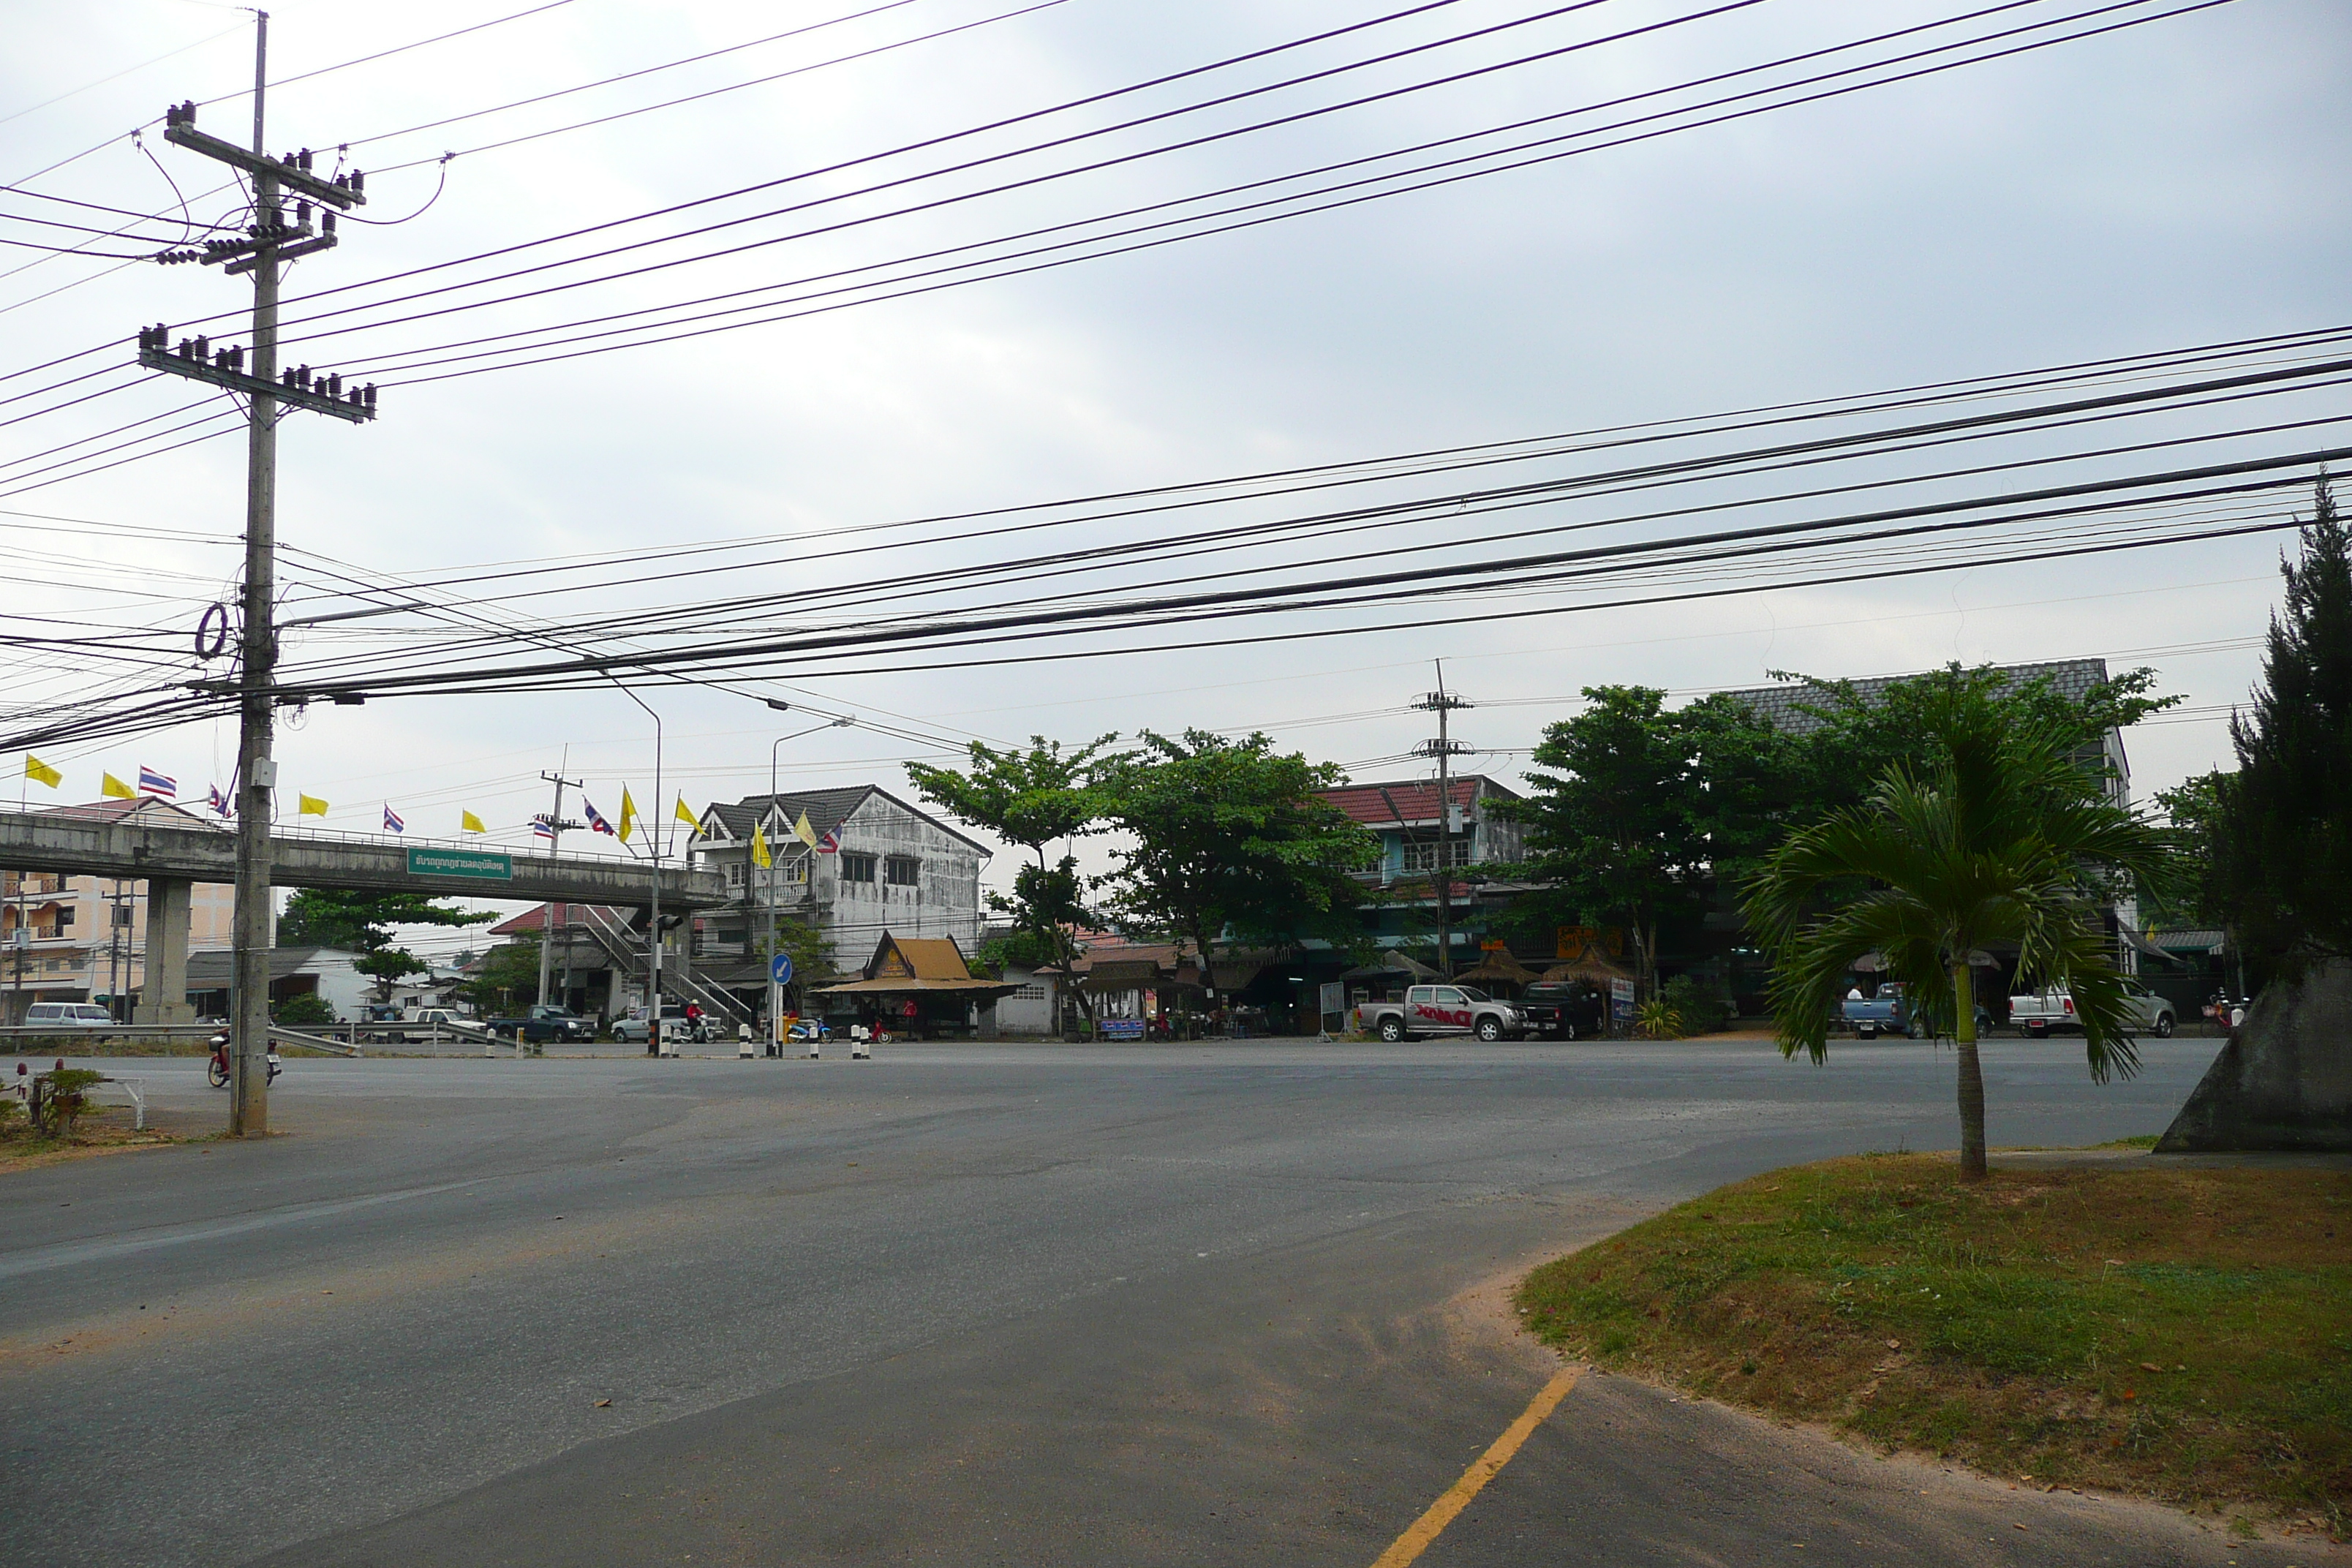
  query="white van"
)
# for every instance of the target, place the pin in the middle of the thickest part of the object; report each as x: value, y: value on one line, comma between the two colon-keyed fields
x: 71, y: 1014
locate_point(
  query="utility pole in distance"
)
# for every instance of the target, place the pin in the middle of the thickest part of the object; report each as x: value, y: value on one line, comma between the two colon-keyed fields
x: 1444, y: 748
x: 556, y: 825
x: 271, y: 242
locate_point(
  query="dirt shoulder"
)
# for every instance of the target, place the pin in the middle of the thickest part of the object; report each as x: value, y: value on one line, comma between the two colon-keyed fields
x: 2167, y: 1332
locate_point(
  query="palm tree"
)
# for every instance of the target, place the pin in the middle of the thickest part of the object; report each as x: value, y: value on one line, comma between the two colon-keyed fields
x: 2008, y: 838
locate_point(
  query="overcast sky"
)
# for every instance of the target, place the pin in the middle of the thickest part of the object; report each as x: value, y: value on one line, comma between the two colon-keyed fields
x: 2170, y: 185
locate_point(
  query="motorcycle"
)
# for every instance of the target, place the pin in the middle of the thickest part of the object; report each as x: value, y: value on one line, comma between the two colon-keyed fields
x: 218, y: 1069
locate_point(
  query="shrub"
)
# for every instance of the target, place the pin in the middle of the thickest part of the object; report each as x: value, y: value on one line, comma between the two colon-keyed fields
x: 308, y: 1008
x: 66, y: 1095
x: 1657, y: 1020
x: 1702, y: 1009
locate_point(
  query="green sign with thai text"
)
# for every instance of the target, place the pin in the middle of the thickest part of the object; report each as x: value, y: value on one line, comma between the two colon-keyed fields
x: 482, y: 865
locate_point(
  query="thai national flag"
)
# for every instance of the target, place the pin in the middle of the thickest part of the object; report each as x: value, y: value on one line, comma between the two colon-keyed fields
x: 596, y: 821
x: 221, y: 805
x: 152, y: 783
x: 392, y: 823
x: 829, y: 842
x: 542, y: 828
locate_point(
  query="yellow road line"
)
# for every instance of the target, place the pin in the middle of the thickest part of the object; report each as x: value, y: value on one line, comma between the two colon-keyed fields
x: 1425, y: 1529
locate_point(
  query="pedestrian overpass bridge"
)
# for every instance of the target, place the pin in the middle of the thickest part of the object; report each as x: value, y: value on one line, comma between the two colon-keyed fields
x: 172, y: 850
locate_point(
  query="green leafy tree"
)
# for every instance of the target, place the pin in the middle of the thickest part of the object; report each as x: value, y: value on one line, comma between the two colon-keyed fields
x: 508, y: 979
x: 2193, y: 807
x: 388, y: 966
x: 1034, y: 798
x: 326, y: 917
x: 2277, y: 843
x: 1229, y: 844
x: 1631, y: 809
x: 1860, y: 735
x: 2005, y: 838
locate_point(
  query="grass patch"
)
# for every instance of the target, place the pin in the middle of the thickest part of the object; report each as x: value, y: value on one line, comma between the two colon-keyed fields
x: 103, y: 1129
x: 79, y: 1046
x: 2145, y: 1140
x: 2179, y: 1334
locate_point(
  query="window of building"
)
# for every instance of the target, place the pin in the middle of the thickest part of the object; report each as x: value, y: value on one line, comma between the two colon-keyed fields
x: 902, y: 871
x: 856, y: 867
x: 1030, y: 992
x: 1421, y: 854
x: 734, y: 873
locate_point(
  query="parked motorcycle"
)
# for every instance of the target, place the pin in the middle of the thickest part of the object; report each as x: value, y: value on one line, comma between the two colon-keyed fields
x: 2222, y: 1010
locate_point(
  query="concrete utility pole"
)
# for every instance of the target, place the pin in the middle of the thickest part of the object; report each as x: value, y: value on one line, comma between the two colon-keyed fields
x: 1443, y: 748
x: 271, y: 241
x: 555, y: 826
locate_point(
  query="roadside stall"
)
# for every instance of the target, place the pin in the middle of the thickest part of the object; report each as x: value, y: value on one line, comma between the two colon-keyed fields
x: 917, y: 987
x: 1499, y: 974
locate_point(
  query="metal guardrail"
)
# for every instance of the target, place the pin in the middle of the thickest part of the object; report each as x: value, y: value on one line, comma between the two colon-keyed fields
x: 279, y: 1036
x: 109, y: 1032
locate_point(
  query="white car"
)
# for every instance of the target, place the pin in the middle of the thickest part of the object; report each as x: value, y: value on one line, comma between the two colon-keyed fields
x: 2144, y: 1010
x: 68, y: 1015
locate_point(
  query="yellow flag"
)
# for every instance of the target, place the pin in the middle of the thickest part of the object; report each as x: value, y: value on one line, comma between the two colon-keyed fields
x: 686, y: 814
x: 470, y: 823
x: 803, y: 832
x: 628, y: 815
x: 760, y: 856
x: 310, y: 804
x: 115, y: 789
x: 37, y: 769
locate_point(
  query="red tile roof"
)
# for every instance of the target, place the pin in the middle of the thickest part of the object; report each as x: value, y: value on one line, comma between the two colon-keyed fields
x: 535, y: 918
x: 1416, y: 800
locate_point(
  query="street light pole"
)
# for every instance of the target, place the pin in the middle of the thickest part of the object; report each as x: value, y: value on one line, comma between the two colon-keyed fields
x: 776, y: 991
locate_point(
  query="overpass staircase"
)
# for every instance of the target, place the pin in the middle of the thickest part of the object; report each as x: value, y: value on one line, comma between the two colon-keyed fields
x: 625, y: 946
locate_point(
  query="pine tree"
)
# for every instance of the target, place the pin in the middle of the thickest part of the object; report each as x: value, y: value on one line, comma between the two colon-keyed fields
x: 2284, y: 841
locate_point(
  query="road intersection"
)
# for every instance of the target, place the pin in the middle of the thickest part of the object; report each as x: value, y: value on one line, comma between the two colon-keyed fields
x: 1223, y: 1304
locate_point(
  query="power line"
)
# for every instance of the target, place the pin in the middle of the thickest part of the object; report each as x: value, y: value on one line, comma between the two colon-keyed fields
x: 899, y: 288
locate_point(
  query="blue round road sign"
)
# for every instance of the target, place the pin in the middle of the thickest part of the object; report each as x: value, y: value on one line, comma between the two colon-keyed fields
x: 780, y: 969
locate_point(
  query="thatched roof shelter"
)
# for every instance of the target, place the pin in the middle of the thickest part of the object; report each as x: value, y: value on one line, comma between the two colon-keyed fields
x: 1498, y: 968
x: 1590, y: 969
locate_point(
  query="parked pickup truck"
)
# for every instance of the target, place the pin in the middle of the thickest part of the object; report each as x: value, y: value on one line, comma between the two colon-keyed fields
x: 1560, y: 1009
x: 1442, y: 1010
x: 543, y: 1022
x: 2039, y: 1014
x: 425, y: 1020
x: 1889, y: 1013
x: 1885, y: 1013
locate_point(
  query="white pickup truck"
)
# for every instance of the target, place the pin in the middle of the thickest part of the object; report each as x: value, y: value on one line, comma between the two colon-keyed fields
x: 1441, y: 1010
x: 2044, y: 1011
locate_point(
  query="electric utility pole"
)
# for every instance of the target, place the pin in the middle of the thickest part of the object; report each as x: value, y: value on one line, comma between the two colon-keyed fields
x: 271, y: 242
x: 555, y: 826
x: 1443, y: 748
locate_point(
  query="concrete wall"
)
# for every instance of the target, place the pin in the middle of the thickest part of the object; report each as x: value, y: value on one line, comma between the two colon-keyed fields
x: 1033, y: 1009
x: 2284, y: 1080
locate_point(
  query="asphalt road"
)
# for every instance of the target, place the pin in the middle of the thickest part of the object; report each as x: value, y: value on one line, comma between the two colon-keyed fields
x: 1230, y: 1303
